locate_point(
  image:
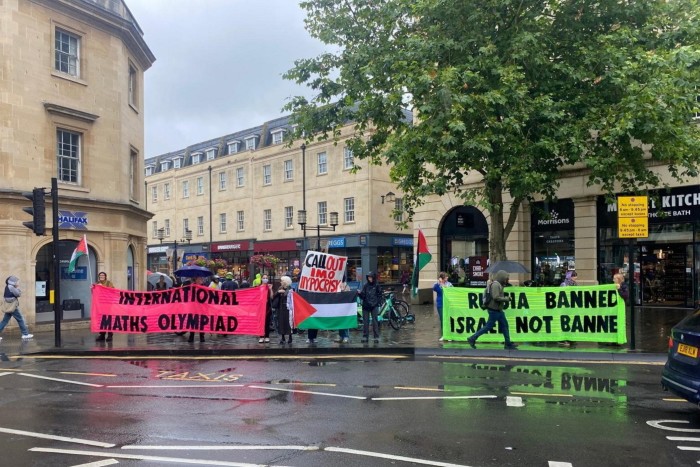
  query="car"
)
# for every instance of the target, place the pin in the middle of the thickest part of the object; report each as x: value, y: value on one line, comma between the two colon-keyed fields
x: 681, y: 373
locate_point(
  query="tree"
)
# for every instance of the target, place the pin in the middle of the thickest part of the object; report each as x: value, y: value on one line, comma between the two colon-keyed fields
x: 511, y: 90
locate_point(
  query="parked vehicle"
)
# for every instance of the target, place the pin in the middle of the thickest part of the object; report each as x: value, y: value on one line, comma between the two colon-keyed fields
x: 681, y: 373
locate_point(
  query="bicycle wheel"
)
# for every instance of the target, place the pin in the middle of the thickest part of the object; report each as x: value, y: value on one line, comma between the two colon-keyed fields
x: 395, y: 320
x: 403, y: 308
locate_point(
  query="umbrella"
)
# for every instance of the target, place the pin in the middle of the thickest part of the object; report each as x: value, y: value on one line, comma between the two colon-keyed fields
x: 508, y: 266
x: 193, y: 271
x: 154, y: 278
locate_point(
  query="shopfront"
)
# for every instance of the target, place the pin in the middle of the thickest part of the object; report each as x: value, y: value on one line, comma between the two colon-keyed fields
x: 286, y: 251
x: 668, y: 260
x: 553, y: 241
x: 464, y: 246
x: 236, y: 254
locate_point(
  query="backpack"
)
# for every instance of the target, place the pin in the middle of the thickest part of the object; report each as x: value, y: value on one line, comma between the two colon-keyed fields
x: 485, y: 298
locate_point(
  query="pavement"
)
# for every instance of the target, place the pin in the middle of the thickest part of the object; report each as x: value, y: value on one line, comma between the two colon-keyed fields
x: 418, y: 340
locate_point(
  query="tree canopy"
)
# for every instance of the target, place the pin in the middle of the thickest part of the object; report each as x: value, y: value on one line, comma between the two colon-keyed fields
x: 511, y: 89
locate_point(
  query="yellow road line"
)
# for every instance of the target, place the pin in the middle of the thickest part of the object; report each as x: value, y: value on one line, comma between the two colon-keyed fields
x: 541, y: 394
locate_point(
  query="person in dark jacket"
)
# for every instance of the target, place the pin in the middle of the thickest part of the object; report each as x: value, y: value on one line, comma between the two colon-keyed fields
x: 371, y: 296
x: 11, y: 295
x: 280, y: 303
x: 229, y: 283
x: 495, y: 309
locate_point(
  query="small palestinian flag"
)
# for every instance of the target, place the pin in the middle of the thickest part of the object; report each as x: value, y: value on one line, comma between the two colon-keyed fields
x: 316, y: 310
x: 80, y: 250
x: 423, y: 257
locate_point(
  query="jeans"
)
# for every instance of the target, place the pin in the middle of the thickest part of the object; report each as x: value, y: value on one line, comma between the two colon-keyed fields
x: 495, y: 316
x: 344, y: 333
x: 366, y: 314
x: 20, y: 320
x: 439, y: 310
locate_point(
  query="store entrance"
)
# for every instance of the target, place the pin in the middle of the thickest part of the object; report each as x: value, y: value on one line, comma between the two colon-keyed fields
x: 666, y: 277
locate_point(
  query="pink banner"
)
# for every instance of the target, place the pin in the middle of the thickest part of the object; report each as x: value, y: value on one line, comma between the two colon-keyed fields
x: 190, y: 308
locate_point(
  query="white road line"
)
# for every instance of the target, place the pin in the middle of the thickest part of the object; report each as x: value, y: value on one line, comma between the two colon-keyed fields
x: 414, y: 398
x: 560, y: 464
x: 392, y: 457
x: 660, y: 425
x: 689, y: 448
x: 57, y: 438
x: 6, y: 373
x: 221, y: 448
x: 62, y: 380
x: 143, y: 458
x: 86, y: 374
x: 682, y: 438
x: 99, y: 463
x: 512, y: 401
x: 163, y: 386
x: 308, y: 392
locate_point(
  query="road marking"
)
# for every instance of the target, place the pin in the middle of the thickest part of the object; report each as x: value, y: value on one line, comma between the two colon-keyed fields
x: 540, y: 394
x: 111, y: 375
x: 524, y: 359
x: 165, y: 386
x: 560, y: 464
x: 682, y: 438
x: 514, y: 401
x: 57, y: 438
x: 6, y: 373
x: 62, y: 380
x: 411, y: 388
x: 392, y: 457
x: 220, y: 357
x: 659, y: 424
x: 222, y: 448
x: 666, y: 399
x: 429, y: 398
x: 308, y: 392
x: 142, y: 458
x: 99, y: 463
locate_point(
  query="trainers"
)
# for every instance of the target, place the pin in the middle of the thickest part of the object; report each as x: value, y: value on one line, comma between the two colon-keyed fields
x: 441, y: 339
x: 364, y: 339
x: 27, y: 336
x: 344, y: 341
x: 472, y: 343
x: 261, y: 340
x: 510, y: 346
x: 267, y: 340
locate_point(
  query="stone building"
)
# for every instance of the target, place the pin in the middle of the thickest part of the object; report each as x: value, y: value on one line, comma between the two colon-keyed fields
x: 71, y: 105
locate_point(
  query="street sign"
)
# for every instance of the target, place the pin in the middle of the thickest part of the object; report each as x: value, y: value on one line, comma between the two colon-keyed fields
x: 632, y: 217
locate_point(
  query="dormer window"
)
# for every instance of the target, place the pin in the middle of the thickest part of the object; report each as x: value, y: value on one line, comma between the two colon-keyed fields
x: 196, y: 158
x: 278, y: 136
x: 177, y: 162
x: 210, y: 154
x: 149, y: 170
x: 251, y: 142
x: 164, y: 166
x: 234, y: 146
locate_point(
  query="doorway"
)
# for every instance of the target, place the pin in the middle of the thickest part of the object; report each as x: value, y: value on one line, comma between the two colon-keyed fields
x: 666, y: 274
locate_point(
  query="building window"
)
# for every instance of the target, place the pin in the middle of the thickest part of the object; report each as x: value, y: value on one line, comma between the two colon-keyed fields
x: 166, y: 191
x: 288, y: 170
x: 222, y: 222
x: 349, y: 204
x: 348, y: 159
x: 154, y: 232
x: 67, y: 54
x: 250, y: 143
x: 185, y: 227
x: 133, y: 176
x: 322, y: 213
x: 210, y: 153
x: 200, y: 226
x: 167, y: 227
x: 186, y: 189
x: 164, y: 166
x: 154, y: 194
x: 177, y: 162
x: 398, y: 207
x: 267, y: 174
x: 133, y: 86
x: 196, y: 158
x: 234, y: 146
x: 240, y: 221
x: 68, y: 156
x: 278, y: 136
x: 267, y: 220
x: 288, y: 217
x: 240, y: 176
x: 149, y: 171
x: 200, y: 185
x: 222, y: 181
x: 322, y: 163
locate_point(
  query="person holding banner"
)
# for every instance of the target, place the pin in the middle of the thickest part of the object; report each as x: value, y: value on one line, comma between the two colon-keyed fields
x: 437, y: 288
x: 495, y: 308
x: 264, y: 339
x: 199, y: 280
x: 371, y: 296
x: 280, y: 303
x: 102, y: 280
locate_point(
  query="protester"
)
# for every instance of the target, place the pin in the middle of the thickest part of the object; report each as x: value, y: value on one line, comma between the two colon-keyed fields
x: 265, y: 338
x: 244, y: 284
x: 280, y: 303
x: 214, y: 284
x: 371, y: 296
x: 441, y: 283
x: 197, y: 281
x: 161, y: 284
x: 102, y: 280
x: 258, y: 280
x: 495, y: 309
x: 229, y: 283
x: 621, y: 287
x: 11, y: 307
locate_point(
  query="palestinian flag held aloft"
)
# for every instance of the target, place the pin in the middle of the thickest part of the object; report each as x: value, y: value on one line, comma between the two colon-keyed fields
x: 321, y: 310
x: 423, y: 257
x: 80, y: 250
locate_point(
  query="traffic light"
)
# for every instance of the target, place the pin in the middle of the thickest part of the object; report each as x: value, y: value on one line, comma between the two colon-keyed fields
x: 38, y: 211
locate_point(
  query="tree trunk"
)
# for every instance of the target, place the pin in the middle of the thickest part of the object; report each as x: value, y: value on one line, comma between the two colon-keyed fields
x: 497, y: 236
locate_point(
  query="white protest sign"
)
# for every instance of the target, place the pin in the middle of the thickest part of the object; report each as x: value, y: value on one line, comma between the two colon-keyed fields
x: 322, y: 272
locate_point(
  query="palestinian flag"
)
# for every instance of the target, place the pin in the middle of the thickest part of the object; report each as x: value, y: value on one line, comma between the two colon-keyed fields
x: 320, y: 310
x: 80, y: 250
x: 423, y: 257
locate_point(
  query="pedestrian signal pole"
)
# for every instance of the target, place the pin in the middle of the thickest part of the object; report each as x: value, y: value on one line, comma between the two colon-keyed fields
x: 57, y: 306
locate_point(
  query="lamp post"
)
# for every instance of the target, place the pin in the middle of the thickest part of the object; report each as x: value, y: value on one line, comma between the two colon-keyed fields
x: 301, y: 220
x: 303, y: 185
x: 188, y: 239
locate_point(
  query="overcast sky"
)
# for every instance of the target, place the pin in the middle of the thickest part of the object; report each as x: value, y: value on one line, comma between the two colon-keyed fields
x: 219, y: 66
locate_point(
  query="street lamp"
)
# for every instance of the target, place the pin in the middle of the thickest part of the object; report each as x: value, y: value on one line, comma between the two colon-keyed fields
x: 188, y: 239
x: 389, y: 197
x: 301, y: 220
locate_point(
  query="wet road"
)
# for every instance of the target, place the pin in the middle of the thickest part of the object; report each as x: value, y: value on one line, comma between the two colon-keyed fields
x: 374, y: 411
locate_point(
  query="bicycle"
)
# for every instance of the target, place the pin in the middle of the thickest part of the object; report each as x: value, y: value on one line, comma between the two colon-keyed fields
x: 388, y: 312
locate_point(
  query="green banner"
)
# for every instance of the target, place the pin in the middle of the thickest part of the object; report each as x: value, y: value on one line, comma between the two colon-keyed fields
x: 540, y: 314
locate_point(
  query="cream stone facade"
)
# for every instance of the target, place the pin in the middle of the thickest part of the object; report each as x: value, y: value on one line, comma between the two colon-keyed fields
x: 251, y: 198
x: 71, y: 107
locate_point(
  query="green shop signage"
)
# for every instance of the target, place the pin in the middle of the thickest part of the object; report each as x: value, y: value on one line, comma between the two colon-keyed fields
x: 540, y: 314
